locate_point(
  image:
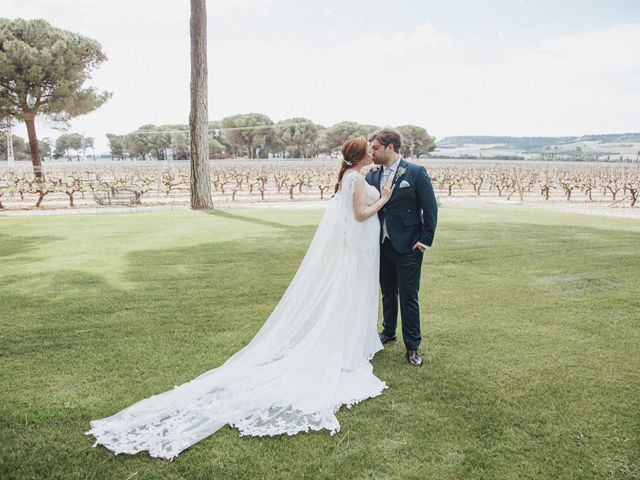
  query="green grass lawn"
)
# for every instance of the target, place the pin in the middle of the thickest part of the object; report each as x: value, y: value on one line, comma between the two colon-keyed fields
x: 531, y: 337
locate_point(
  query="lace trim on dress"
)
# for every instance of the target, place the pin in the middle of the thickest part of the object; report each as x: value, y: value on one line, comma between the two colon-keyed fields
x: 156, y: 437
x: 287, y: 420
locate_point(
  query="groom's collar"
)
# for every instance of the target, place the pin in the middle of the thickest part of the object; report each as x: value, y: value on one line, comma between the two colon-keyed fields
x: 394, y: 167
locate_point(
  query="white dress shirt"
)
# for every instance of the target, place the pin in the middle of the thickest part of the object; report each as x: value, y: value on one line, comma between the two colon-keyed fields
x: 387, y: 173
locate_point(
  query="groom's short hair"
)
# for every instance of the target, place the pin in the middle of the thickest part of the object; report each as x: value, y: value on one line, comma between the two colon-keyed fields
x: 388, y: 136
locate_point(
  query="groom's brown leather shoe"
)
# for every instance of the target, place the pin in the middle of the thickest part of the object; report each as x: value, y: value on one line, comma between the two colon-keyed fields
x: 386, y: 339
x: 414, y: 358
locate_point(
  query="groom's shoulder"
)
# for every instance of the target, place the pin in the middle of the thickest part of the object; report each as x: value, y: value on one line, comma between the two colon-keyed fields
x: 414, y: 167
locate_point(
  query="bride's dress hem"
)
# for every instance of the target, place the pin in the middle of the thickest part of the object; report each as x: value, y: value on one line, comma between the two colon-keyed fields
x: 118, y: 448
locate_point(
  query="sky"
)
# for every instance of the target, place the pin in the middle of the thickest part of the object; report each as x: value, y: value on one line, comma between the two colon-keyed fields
x: 458, y: 67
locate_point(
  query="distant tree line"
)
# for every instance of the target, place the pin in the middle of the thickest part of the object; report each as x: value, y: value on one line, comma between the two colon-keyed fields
x: 21, y: 150
x: 468, y: 156
x: 252, y: 135
x: 534, y: 143
x: 255, y: 135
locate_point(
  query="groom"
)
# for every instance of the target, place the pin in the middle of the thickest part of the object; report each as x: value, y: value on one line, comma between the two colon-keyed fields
x: 408, y: 224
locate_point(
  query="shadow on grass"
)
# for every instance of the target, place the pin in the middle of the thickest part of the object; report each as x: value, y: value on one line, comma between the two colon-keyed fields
x: 11, y: 245
x: 256, y: 221
x: 165, y: 287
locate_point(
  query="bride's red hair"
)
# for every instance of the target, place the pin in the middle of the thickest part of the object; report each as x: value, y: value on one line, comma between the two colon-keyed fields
x: 353, y: 150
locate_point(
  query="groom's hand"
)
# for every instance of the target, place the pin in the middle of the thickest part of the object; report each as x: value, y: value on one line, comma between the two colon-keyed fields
x: 419, y: 246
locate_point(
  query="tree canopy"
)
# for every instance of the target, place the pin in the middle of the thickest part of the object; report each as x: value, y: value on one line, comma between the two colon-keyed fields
x: 42, y: 71
x: 244, y: 133
x: 339, y: 133
x: 72, y: 141
x: 416, y: 141
x: 297, y: 136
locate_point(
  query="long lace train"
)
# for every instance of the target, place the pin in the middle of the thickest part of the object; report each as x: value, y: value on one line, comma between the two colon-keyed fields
x: 309, y: 358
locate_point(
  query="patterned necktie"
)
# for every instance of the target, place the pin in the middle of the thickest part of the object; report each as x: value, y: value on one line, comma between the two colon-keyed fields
x: 386, y: 173
x: 385, y: 177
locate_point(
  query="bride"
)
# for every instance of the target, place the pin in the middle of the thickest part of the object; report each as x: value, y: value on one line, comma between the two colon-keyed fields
x: 309, y: 358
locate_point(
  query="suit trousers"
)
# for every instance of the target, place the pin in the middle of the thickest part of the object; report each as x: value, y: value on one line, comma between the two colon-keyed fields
x: 400, y: 277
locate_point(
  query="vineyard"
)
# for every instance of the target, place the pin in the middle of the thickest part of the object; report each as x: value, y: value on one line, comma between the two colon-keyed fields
x: 94, y: 184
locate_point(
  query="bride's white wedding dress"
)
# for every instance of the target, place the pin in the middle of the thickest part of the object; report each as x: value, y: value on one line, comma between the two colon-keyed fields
x: 309, y: 358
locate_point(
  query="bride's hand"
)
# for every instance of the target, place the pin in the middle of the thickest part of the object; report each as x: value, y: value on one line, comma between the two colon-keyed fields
x: 387, y: 190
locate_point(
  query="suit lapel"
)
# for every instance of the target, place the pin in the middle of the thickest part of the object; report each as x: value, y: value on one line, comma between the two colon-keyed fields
x: 403, y: 166
x: 398, y: 175
x: 379, y: 178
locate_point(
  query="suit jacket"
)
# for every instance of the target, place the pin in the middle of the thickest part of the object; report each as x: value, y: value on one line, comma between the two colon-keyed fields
x: 412, y: 211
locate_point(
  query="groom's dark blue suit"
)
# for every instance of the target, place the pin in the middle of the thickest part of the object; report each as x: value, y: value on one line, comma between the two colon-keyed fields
x: 411, y: 215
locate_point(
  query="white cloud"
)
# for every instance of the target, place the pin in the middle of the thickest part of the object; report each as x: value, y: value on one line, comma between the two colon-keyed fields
x: 424, y: 36
x: 328, y: 31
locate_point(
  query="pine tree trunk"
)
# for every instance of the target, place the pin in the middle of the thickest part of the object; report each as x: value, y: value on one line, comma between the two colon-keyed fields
x: 33, y: 147
x: 199, y: 118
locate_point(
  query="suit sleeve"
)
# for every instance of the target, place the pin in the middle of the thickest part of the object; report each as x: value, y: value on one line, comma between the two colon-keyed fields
x: 429, y: 206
